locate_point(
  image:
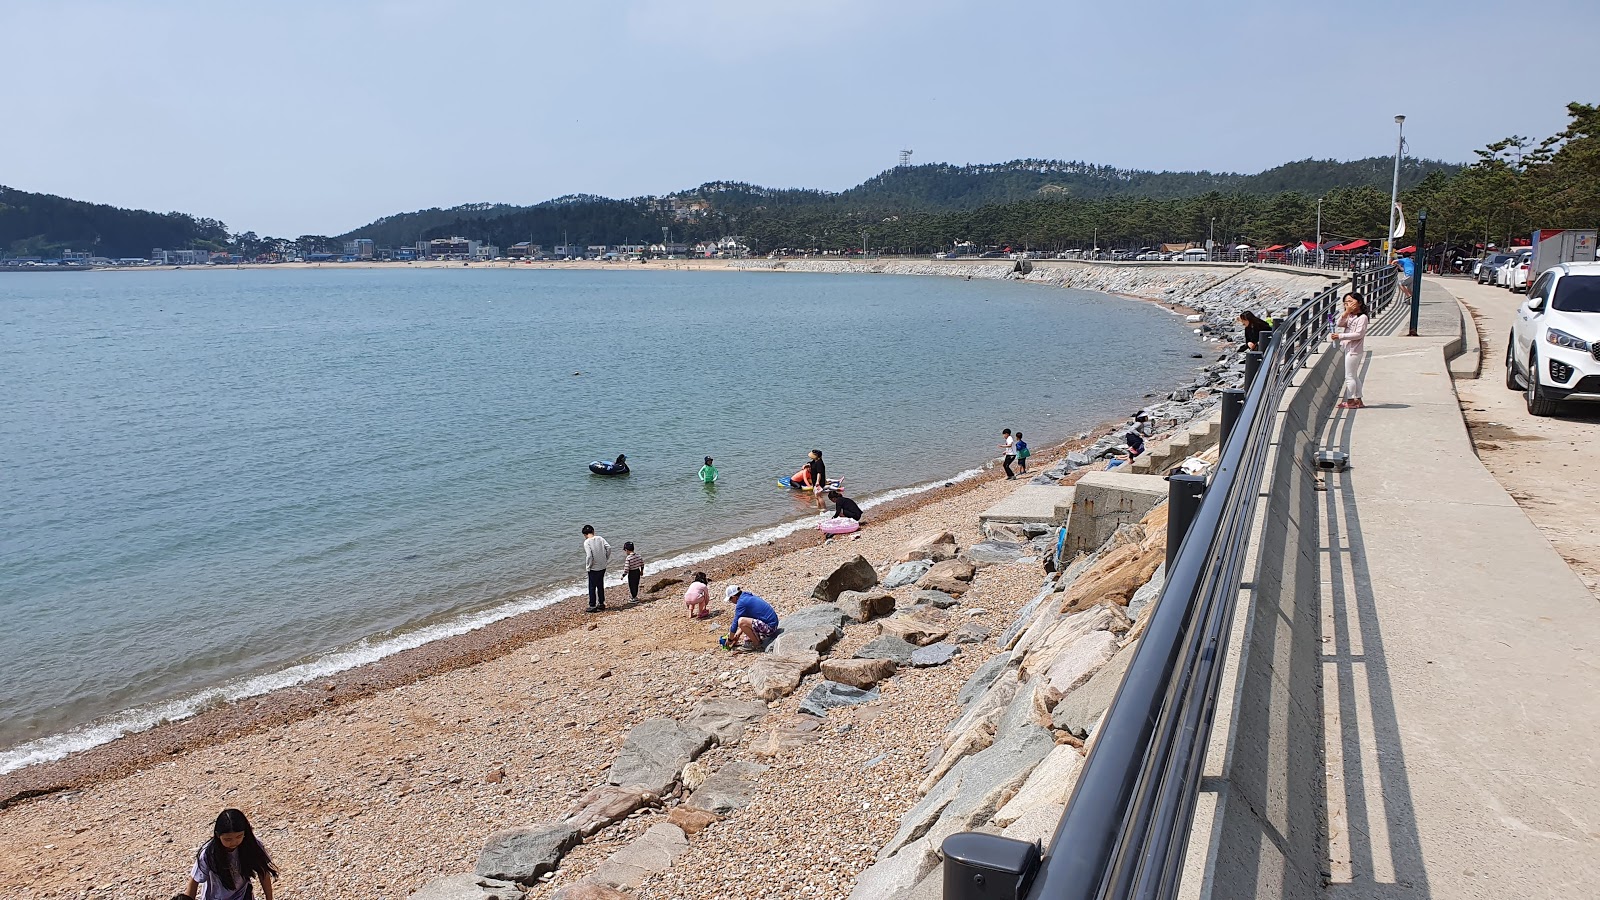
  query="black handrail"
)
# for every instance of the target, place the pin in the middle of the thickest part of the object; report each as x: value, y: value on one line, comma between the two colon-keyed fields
x: 1126, y: 828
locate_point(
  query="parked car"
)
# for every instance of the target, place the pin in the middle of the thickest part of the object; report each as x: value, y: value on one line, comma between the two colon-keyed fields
x: 1487, y: 266
x: 1553, y: 353
x: 1517, y: 273
x: 1195, y: 255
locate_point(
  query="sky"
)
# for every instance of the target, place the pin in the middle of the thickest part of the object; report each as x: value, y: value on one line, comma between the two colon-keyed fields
x: 294, y: 117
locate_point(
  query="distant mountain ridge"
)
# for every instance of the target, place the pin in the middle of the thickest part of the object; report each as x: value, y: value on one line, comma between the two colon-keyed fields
x: 926, y: 188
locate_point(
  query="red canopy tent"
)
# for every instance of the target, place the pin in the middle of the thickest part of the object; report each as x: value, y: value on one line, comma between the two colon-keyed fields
x: 1353, y: 245
x: 1274, y: 248
x: 1308, y: 245
x: 1410, y: 249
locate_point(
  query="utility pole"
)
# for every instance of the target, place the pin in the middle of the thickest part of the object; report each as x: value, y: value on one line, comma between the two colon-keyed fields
x: 1394, y: 190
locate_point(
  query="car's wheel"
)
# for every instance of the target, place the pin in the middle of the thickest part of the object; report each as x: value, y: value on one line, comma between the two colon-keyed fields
x: 1513, y: 383
x: 1537, y: 404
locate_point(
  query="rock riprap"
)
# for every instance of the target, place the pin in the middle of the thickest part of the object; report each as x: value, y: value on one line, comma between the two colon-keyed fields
x: 864, y: 606
x: 655, y: 751
x: 724, y: 718
x: 859, y: 673
x: 776, y: 675
x: 524, y: 853
x: 832, y: 695
x: 855, y: 575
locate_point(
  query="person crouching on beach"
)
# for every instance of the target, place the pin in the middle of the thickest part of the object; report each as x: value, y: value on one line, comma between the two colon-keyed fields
x: 754, y: 620
x: 844, y: 507
x: 226, y: 864
x: 698, y: 596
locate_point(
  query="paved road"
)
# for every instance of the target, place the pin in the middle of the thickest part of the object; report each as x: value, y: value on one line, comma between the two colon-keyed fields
x: 1550, y: 466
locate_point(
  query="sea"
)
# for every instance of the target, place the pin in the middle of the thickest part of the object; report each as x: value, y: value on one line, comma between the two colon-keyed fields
x: 219, y: 482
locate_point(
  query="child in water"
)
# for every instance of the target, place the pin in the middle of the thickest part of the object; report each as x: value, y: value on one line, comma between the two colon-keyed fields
x: 708, y: 472
x: 698, y: 596
x: 635, y: 565
x: 225, y: 864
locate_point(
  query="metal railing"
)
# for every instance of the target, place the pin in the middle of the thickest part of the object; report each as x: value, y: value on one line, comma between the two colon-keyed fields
x: 1125, y: 831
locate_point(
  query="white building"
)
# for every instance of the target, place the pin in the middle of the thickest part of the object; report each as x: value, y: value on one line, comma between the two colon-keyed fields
x: 360, y: 248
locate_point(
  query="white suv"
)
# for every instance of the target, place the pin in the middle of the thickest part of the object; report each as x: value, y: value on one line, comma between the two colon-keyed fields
x: 1554, y: 351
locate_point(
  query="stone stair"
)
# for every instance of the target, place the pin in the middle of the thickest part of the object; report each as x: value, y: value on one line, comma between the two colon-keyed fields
x: 1199, y: 437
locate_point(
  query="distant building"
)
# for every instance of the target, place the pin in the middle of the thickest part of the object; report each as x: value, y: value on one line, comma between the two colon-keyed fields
x: 485, y: 251
x: 630, y: 249
x: 563, y: 251
x: 525, y: 250
x: 179, y: 257
x: 447, y: 248
x: 360, y: 248
x: 669, y: 249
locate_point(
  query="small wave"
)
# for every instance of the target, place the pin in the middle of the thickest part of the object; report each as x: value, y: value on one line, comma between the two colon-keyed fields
x: 368, y: 650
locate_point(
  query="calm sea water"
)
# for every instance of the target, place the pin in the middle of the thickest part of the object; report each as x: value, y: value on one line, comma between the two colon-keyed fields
x: 219, y: 482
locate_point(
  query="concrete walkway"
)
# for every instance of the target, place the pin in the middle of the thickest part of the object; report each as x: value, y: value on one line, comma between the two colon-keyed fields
x: 1461, y: 657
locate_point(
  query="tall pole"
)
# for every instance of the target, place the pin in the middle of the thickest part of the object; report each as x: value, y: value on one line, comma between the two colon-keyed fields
x: 1319, y: 231
x: 1394, y: 191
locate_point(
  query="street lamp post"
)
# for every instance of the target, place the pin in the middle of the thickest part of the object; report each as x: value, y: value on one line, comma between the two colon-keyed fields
x: 1319, y: 232
x: 1394, y: 190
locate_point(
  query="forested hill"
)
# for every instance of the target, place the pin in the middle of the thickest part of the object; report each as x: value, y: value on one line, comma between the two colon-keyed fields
x: 45, y: 225
x: 936, y: 187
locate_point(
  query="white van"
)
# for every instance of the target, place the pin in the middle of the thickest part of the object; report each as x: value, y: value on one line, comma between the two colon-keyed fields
x: 1195, y: 255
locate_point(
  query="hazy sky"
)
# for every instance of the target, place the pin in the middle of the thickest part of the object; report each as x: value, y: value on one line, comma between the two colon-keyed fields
x: 294, y: 117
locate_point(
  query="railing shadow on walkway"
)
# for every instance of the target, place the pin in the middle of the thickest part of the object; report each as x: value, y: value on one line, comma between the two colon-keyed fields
x: 1369, y: 791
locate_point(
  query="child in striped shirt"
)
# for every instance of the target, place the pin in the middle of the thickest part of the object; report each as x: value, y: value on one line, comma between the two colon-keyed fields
x: 635, y: 566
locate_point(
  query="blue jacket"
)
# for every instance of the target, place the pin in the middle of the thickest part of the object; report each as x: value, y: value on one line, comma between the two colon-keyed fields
x: 1407, y: 266
x: 750, y: 606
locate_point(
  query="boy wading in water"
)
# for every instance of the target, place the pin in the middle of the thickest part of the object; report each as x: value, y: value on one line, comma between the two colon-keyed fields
x: 226, y: 864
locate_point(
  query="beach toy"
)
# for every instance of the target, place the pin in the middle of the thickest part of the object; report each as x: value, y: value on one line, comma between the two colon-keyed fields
x: 841, y: 525
x: 833, y: 484
x: 610, y: 470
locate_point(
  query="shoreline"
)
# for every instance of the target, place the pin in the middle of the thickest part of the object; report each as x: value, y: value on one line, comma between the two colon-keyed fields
x: 231, y: 719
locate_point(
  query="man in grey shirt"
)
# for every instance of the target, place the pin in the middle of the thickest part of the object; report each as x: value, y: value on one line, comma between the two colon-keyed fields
x: 596, y: 556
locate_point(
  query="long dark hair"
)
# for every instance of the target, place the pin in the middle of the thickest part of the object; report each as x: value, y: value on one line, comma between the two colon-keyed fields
x: 253, y: 858
x: 1361, y: 303
x: 1251, y: 319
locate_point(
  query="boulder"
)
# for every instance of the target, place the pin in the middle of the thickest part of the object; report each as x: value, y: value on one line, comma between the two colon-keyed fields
x: 790, y: 735
x: 663, y: 584
x: 968, y: 633
x: 655, y: 751
x: 935, y: 599
x: 992, y: 552
x: 936, y: 546
x: 1025, y: 616
x: 912, y: 629
x: 805, y: 640
x: 894, y: 877
x: 859, y: 673
x: 933, y: 655
x: 1068, y: 630
x: 817, y: 615
x: 729, y: 788
x: 607, y: 804
x: 649, y: 854
x: 832, y: 695
x: 988, y: 778
x: 950, y: 569
x: 725, y: 719
x: 1037, y: 824
x: 691, y: 820
x: 975, y: 738
x: 906, y: 573
x: 777, y: 675
x: 1050, y: 784
x: 589, y: 890
x: 467, y: 887
x: 981, y: 679
x: 526, y: 852
x: 1115, y: 576
x: 855, y: 575
x: 888, y: 646
x: 1077, y: 712
x: 1075, y: 665
x: 1144, y: 596
x: 1005, y: 532
x: 863, y: 606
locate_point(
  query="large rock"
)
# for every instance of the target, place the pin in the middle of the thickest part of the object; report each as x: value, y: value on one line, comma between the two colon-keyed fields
x: 992, y: 552
x: 987, y: 779
x: 933, y: 655
x: 467, y: 887
x: 895, y: 877
x: 607, y: 804
x: 935, y: 599
x: 649, y: 854
x: 906, y: 573
x: 1050, y: 784
x: 1076, y: 665
x: 1078, y: 712
x: 790, y: 735
x: 1116, y: 576
x: 832, y: 695
x: 888, y: 646
x: 589, y: 890
x: 859, y: 673
x: 729, y: 788
x: 655, y: 751
x: 863, y: 606
x: 725, y: 719
x: 692, y: 821
x: 817, y: 615
x: 777, y: 675
x: 1037, y: 824
x: 936, y: 546
x: 1025, y: 616
x: 806, y: 640
x: 953, y: 576
x: 921, y: 625
x: 524, y: 853
x: 855, y: 575
x: 1068, y: 630
x: 981, y: 679
x: 1144, y: 596
x: 968, y: 633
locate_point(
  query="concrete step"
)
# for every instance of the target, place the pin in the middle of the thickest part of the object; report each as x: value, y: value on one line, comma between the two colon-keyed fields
x: 1038, y: 504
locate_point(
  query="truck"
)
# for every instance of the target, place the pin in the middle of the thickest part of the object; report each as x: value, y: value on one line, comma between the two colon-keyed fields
x: 1558, y: 245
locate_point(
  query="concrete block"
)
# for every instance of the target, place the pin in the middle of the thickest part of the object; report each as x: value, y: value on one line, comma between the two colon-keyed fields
x: 1034, y: 504
x: 1104, y: 502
